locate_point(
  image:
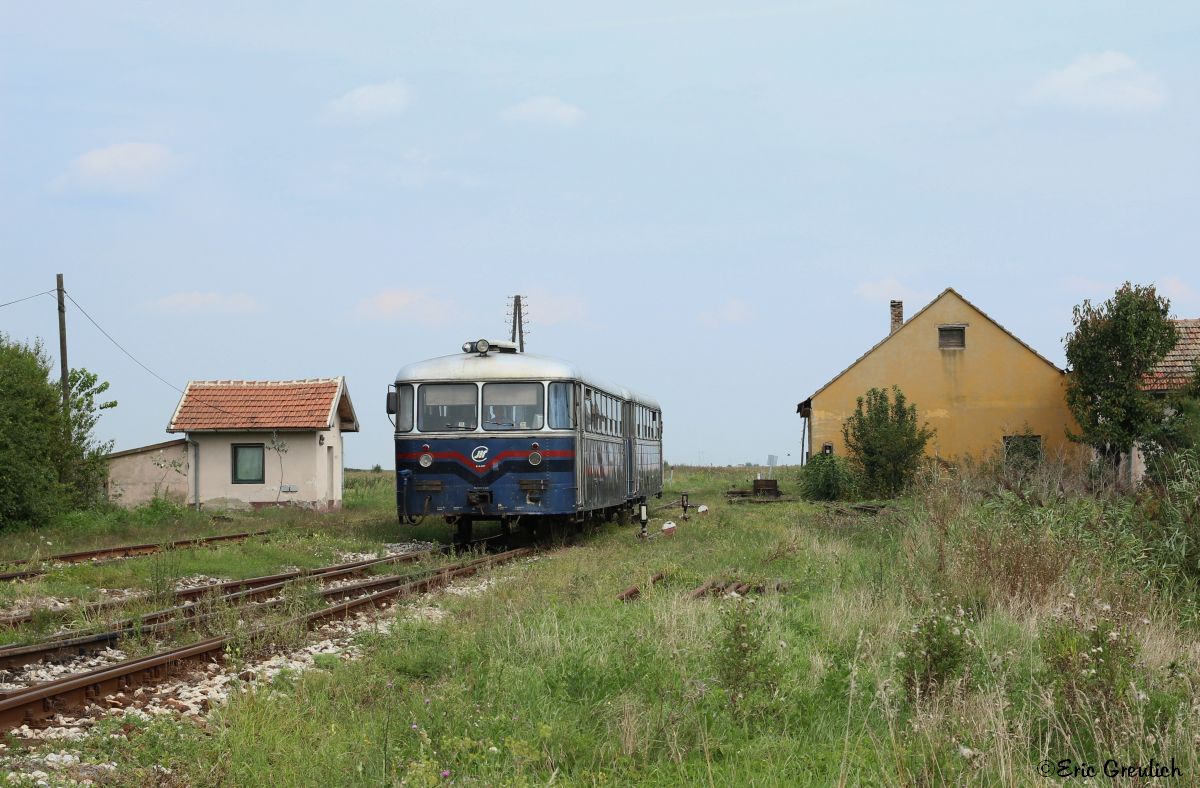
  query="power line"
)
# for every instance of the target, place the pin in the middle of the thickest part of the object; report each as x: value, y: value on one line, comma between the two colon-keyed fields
x: 143, y: 366
x: 26, y: 298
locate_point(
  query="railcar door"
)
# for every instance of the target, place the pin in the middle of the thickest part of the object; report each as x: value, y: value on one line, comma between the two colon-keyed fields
x: 631, y: 463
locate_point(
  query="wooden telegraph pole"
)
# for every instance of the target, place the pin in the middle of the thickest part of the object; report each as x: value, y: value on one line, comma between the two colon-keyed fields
x: 62, y: 344
x: 518, y: 324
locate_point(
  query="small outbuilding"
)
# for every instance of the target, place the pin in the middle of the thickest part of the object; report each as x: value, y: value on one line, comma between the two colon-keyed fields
x: 137, y: 476
x: 255, y: 443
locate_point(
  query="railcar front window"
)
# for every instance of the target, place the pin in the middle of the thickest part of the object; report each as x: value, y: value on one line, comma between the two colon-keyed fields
x: 561, y: 411
x: 404, y: 413
x: 445, y: 407
x: 512, y: 406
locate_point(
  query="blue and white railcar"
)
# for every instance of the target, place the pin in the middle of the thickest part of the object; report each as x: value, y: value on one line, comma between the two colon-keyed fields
x: 493, y: 434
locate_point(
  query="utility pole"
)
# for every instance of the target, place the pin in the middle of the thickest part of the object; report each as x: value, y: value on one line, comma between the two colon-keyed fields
x: 518, y: 324
x: 62, y: 344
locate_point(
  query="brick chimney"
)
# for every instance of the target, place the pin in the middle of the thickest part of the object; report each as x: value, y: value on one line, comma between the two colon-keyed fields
x: 897, y: 316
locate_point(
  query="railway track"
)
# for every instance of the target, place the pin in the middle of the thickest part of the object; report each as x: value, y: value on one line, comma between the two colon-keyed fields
x: 124, y: 551
x: 206, y: 600
x: 219, y: 589
x: 40, y: 701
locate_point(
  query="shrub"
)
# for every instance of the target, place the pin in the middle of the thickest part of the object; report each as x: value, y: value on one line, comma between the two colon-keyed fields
x: 936, y: 651
x: 746, y: 666
x: 49, y: 461
x: 885, y: 441
x: 827, y: 477
x: 1089, y: 659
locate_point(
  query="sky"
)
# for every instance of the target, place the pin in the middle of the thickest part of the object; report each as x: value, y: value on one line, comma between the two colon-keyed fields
x: 711, y: 203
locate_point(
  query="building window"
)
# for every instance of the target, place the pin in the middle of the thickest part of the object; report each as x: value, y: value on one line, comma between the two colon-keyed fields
x: 827, y: 448
x: 247, y: 463
x: 952, y: 337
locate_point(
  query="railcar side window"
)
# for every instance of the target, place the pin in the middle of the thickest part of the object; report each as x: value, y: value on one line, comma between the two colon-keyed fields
x: 562, y: 412
x: 512, y: 406
x: 447, y: 406
x: 404, y: 412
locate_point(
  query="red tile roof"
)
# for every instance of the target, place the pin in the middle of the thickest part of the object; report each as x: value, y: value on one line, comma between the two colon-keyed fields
x: 1176, y: 370
x: 210, y: 405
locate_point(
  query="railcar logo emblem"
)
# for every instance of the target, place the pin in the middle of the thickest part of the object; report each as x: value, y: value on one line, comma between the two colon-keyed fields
x: 479, y: 453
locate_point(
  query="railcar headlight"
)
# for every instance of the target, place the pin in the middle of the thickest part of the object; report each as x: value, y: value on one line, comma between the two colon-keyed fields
x: 535, y: 458
x: 482, y: 346
x: 426, y: 460
x: 468, y: 347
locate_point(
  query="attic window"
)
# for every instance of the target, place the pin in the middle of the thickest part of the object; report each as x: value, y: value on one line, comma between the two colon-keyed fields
x: 952, y: 337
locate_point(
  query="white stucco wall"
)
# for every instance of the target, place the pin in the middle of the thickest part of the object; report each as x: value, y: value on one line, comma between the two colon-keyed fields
x: 312, y: 467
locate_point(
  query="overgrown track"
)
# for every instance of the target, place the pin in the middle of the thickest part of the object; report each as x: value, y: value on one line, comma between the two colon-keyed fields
x: 78, y: 691
x: 125, y: 551
x: 209, y: 598
x: 221, y: 589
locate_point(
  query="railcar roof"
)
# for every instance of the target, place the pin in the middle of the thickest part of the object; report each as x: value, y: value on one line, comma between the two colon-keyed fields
x: 508, y: 366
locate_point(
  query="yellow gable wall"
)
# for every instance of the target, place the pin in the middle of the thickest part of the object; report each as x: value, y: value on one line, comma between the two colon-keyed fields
x: 972, y: 397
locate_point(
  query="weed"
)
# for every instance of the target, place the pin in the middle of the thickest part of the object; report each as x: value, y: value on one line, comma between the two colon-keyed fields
x: 936, y: 651
x: 746, y: 666
x: 1089, y: 658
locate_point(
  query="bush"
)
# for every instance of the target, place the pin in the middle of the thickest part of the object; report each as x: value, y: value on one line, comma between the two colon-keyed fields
x: 936, y: 651
x: 1089, y: 659
x: 49, y: 461
x: 885, y: 441
x: 827, y: 477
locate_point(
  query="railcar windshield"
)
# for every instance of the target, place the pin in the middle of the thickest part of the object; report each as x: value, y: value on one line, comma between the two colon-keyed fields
x: 447, y: 406
x: 404, y: 410
x: 513, y: 406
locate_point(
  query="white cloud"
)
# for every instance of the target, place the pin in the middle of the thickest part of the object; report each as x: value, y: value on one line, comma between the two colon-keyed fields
x: 238, y: 303
x: 889, y: 289
x: 1110, y: 81
x: 369, y: 103
x: 732, y: 311
x: 397, y: 305
x: 1185, y: 299
x: 544, y: 111
x: 125, y: 168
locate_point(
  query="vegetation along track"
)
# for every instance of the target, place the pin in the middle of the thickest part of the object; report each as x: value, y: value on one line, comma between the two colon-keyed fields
x: 79, y: 691
x: 124, y: 551
x: 205, y: 600
x: 220, y: 589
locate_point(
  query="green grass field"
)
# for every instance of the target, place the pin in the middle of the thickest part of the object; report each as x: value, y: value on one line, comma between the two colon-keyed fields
x: 956, y: 637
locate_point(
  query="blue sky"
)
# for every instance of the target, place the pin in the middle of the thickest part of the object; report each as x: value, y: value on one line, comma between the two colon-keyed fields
x: 710, y: 202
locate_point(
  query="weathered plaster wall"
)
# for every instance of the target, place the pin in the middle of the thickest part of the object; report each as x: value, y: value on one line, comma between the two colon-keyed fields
x: 973, y: 396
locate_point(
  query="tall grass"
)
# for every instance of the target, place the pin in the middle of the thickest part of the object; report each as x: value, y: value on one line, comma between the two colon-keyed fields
x: 972, y: 630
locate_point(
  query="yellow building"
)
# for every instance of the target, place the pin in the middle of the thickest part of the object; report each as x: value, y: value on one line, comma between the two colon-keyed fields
x: 972, y: 380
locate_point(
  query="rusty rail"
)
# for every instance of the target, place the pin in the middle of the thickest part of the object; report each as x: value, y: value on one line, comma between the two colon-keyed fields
x: 222, y: 588
x: 159, y: 621
x: 50, y: 698
x: 124, y: 551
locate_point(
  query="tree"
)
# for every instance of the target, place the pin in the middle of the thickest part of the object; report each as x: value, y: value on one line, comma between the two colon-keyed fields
x: 30, y: 426
x: 49, y: 460
x: 885, y: 440
x: 81, y: 459
x: 1112, y: 349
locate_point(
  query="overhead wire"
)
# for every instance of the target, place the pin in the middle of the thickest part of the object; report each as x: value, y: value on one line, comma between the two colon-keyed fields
x: 143, y: 366
x: 26, y: 298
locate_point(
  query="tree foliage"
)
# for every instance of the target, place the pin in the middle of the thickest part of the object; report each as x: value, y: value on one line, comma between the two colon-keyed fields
x: 1111, y: 350
x: 886, y: 440
x: 49, y: 460
x: 827, y: 477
